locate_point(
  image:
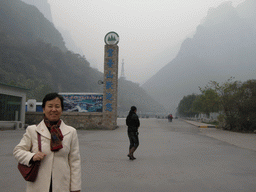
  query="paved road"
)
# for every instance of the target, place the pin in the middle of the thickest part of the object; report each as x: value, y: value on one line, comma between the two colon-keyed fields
x: 171, y: 157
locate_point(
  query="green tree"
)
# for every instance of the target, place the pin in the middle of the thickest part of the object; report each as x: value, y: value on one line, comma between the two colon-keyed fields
x: 185, y: 106
x: 234, y: 100
x: 245, y: 104
x: 237, y: 101
x: 207, y: 102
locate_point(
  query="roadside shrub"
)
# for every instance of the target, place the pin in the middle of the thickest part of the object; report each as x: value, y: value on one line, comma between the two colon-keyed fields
x: 238, y: 101
x: 234, y: 100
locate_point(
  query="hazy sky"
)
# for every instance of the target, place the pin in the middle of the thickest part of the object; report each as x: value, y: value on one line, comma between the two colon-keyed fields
x: 150, y: 31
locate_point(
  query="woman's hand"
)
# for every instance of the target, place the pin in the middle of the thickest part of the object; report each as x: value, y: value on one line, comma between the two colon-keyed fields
x: 39, y: 156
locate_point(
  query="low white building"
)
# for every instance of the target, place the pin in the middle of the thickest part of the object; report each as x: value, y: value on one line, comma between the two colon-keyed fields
x: 12, y: 106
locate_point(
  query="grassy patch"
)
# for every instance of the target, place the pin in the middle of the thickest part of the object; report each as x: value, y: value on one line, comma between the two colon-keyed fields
x: 212, y: 123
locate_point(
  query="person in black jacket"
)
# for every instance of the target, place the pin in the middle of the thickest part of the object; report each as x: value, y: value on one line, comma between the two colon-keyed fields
x: 133, y: 123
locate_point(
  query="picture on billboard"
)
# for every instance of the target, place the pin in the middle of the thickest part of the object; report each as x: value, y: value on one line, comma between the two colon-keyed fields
x: 82, y: 102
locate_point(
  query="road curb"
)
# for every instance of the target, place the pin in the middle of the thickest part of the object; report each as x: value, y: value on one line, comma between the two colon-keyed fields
x: 200, y: 125
x: 207, y: 126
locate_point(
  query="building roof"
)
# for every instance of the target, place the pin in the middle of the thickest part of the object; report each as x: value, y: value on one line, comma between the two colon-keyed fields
x: 14, y: 86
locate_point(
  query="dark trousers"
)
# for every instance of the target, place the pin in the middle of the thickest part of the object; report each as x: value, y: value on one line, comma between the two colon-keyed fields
x: 134, y: 139
x: 50, y: 190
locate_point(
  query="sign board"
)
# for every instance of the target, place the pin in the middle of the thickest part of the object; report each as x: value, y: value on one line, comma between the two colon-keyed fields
x: 110, y: 91
x: 82, y: 102
x: 112, y: 38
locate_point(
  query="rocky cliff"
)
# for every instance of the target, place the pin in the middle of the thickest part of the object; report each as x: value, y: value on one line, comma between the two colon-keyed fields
x: 223, y: 46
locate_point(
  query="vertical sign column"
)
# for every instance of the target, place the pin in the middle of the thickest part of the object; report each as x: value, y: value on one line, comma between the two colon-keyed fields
x: 110, y: 81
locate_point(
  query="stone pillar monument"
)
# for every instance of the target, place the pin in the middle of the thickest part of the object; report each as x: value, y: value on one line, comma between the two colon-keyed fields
x: 110, y: 91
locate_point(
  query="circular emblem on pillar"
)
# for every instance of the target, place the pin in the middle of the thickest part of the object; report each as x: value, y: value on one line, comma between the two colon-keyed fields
x: 112, y: 38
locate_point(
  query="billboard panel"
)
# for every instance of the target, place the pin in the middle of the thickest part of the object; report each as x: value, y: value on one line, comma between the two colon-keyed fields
x: 82, y: 102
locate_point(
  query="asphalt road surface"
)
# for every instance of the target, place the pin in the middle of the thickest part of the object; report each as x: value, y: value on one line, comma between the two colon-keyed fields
x: 172, y: 156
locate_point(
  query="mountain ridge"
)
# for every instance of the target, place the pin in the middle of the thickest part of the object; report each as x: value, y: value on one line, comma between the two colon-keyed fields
x: 223, y: 46
x: 28, y: 60
x: 43, y: 6
x: 22, y: 21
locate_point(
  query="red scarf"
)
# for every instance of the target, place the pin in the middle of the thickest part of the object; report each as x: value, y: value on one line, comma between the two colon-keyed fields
x: 56, y: 135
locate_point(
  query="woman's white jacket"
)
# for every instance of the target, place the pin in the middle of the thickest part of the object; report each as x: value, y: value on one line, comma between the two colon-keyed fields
x: 63, y: 166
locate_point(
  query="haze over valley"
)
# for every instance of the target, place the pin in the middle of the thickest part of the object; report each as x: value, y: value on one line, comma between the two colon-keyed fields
x: 221, y: 45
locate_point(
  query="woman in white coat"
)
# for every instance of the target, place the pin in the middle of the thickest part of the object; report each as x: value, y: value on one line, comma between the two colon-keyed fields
x: 60, y: 168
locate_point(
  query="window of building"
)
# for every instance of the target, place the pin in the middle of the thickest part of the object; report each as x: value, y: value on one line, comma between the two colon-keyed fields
x: 10, y: 107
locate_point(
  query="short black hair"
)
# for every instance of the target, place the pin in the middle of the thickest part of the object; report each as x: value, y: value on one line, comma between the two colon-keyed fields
x: 51, y: 96
x: 133, y: 108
